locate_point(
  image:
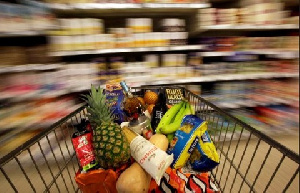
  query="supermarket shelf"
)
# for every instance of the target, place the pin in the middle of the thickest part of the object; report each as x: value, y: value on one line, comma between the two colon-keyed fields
x: 285, y: 54
x: 120, y: 7
x: 226, y: 77
x: 128, y: 50
x: 29, y: 67
x: 246, y: 28
x: 248, y: 104
x: 31, y: 125
x: 23, y: 34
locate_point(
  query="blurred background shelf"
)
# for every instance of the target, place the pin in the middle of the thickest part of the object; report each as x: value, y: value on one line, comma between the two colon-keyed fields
x: 285, y: 54
x: 29, y: 67
x: 224, y: 77
x: 245, y: 28
x: 23, y: 34
x: 130, y: 50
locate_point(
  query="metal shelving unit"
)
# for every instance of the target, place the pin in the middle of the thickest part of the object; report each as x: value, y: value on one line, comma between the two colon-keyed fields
x: 284, y: 54
x: 245, y: 28
x: 129, y: 50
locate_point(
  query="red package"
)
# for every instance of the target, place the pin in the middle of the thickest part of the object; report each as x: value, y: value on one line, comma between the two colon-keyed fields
x: 97, y: 181
x: 82, y: 143
x: 174, y: 180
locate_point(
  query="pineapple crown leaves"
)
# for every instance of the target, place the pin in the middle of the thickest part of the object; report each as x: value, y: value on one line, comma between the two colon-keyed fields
x: 98, y: 110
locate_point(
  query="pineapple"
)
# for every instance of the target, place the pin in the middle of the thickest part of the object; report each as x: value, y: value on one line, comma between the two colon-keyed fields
x: 111, y: 147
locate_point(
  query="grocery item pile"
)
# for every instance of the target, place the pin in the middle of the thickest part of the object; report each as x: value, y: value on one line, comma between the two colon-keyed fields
x: 148, y: 141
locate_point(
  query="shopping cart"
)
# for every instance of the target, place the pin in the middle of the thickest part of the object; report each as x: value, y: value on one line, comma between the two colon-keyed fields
x: 250, y: 161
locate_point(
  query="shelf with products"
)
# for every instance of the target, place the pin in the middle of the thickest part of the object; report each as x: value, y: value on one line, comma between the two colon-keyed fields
x: 226, y: 46
x: 121, y: 6
x: 254, y: 93
x: 22, y: 20
x: 78, y: 36
x: 215, y: 78
x: 130, y: 50
x: 246, y: 28
x: 276, y: 53
x: 58, y: 80
x: 34, y: 116
x: 28, y: 67
x: 23, y: 34
x: 251, y: 27
x: 253, y: 17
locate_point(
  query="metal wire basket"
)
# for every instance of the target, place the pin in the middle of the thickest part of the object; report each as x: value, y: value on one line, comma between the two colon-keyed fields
x: 250, y: 161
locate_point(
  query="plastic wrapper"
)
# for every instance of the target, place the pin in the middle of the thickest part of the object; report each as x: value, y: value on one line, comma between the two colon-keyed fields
x: 205, y: 156
x: 84, y: 151
x: 115, y: 96
x: 99, y: 180
x: 175, y: 180
x: 186, y: 139
x: 151, y: 158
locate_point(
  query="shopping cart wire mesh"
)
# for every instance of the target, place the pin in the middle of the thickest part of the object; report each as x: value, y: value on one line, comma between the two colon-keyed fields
x: 250, y: 161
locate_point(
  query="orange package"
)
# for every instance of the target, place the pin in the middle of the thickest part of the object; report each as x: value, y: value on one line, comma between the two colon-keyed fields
x: 99, y: 181
x: 174, y: 180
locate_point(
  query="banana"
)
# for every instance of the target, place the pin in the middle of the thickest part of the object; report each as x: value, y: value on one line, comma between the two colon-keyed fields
x: 192, y: 109
x: 169, y: 115
x: 180, y: 112
x: 171, y: 128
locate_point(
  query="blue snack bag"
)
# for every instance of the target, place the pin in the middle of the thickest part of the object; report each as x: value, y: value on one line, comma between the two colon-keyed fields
x: 186, y: 139
x: 205, y: 156
x: 114, y: 97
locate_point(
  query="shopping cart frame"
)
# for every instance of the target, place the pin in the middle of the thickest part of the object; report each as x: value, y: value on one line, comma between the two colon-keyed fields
x: 204, y: 109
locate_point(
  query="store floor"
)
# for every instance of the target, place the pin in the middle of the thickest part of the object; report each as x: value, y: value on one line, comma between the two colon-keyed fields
x: 226, y: 173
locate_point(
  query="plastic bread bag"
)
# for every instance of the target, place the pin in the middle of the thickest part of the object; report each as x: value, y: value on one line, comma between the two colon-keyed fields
x: 205, y: 156
x: 152, y: 159
x: 186, y: 139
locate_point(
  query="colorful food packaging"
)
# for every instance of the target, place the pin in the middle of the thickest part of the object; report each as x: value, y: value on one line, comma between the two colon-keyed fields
x: 186, y: 139
x: 176, y: 180
x: 82, y: 142
x: 205, y: 156
x: 115, y: 96
x: 151, y: 158
x: 173, y: 96
x: 99, y: 180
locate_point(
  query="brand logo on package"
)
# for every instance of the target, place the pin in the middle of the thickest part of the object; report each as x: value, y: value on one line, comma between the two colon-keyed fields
x: 174, y: 95
x: 82, y: 141
x: 205, y: 138
x: 195, y: 142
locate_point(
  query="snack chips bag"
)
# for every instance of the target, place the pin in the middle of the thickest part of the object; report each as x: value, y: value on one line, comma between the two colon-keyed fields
x: 176, y: 180
x: 186, y: 139
x: 205, y: 156
x: 115, y: 96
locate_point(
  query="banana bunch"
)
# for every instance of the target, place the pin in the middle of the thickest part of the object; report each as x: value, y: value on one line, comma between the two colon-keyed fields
x: 171, y: 120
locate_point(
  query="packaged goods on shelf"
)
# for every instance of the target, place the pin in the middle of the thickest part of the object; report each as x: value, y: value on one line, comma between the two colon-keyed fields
x: 255, y: 93
x: 87, y: 34
x: 139, y: 25
x: 48, y: 84
x: 35, y: 115
x: 152, y: 60
x: 194, y: 59
x: 264, y: 13
x: 250, y: 43
x: 21, y: 18
x: 122, y: 1
x: 173, y: 60
x: 80, y: 26
x: 173, y: 25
